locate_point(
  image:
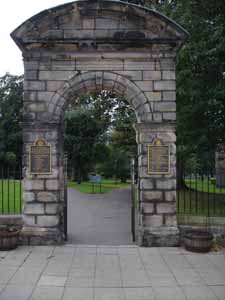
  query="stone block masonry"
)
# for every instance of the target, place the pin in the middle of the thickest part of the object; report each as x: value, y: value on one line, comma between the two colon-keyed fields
x: 157, y: 192
x: 88, y: 46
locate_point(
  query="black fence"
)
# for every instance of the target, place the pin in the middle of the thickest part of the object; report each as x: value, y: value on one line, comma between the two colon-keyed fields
x: 201, y: 193
x: 10, y: 189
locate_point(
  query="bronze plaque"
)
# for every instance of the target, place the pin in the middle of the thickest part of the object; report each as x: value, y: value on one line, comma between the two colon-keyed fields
x: 40, y: 158
x: 158, y: 158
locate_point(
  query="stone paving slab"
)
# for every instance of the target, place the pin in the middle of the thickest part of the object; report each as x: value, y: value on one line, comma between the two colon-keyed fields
x: 219, y: 291
x: 18, y: 292
x: 168, y: 293
x: 78, y: 272
x: 47, y: 293
x: 78, y: 294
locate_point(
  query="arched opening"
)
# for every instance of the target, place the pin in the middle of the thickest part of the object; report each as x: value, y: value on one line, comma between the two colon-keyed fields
x: 99, y: 219
x: 99, y: 142
x: 86, y: 82
x: 87, y: 46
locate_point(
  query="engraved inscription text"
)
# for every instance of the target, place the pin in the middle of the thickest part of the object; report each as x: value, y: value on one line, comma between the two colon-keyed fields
x: 40, y: 159
x: 158, y: 159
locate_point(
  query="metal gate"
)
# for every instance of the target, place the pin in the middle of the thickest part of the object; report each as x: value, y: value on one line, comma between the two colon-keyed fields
x: 133, y: 209
x: 65, y: 197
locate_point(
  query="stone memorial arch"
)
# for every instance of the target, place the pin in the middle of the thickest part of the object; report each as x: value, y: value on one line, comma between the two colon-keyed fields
x: 88, y: 46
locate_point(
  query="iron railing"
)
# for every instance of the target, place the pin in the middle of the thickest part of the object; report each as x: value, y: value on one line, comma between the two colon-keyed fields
x: 198, y: 193
x: 201, y: 193
x: 10, y: 189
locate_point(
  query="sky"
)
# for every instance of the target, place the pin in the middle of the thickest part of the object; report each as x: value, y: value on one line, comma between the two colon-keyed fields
x: 12, y: 14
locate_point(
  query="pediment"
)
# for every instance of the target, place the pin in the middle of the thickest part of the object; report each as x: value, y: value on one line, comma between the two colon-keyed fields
x: 98, y: 23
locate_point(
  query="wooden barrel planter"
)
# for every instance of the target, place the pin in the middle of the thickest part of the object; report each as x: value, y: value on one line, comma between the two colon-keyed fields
x: 198, y: 241
x: 9, y: 238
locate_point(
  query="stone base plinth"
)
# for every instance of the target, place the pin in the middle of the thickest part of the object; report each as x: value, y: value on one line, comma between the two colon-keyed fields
x: 41, y: 236
x: 162, y: 236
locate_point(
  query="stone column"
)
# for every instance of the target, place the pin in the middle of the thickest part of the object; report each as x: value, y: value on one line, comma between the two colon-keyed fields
x: 43, y: 204
x: 157, y: 219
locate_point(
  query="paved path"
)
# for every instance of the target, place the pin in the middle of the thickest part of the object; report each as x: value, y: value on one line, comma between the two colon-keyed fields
x: 73, y: 272
x: 99, y: 219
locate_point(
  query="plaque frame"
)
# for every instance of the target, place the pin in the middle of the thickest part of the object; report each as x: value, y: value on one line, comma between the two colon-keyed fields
x: 39, y: 142
x: 158, y: 143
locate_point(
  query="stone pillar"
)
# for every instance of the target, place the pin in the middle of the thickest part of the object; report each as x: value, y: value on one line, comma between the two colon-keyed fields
x: 157, y: 218
x: 43, y: 203
x: 220, y: 167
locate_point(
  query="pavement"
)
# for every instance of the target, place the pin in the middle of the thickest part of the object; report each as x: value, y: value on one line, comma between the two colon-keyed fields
x: 103, y: 219
x: 101, y: 263
x: 81, y: 272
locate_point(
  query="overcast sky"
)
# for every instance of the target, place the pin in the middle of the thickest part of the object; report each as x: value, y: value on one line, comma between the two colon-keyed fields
x: 12, y: 14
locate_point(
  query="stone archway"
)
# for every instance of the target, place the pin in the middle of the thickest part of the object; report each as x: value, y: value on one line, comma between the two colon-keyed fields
x: 85, y: 82
x: 90, y: 45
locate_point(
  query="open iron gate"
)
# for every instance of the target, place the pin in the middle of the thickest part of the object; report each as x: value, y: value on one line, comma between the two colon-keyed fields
x: 65, y: 198
x: 133, y: 208
x: 133, y: 205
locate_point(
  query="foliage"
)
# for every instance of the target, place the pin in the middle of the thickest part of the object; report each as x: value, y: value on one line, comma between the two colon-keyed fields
x: 200, y: 84
x: 117, y: 164
x: 88, y: 127
x: 91, y: 127
x: 10, y: 157
x: 123, y: 135
x: 200, y: 97
x: 83, y: 138
x: 7, y: 228
x: 101, y: 105
x: 122, y: 146
x: 11, y: 97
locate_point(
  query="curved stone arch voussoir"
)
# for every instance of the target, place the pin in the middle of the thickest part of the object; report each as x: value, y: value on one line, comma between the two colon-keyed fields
x: 86, y: 82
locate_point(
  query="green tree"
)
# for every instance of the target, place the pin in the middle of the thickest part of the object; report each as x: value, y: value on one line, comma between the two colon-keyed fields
x: 99, y: 121
x: 200, y: 84
x: 11, y: 99
x: 117, y: 164
x: 86, y: 132
x: 123, y: 134
x: 83, y: 139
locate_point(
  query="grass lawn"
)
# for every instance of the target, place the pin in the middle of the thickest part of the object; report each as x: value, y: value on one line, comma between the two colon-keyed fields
x: 204, y: 185
x: 198, y: 203
x: 106, y: 186
x: 201, y: 198
x: 10, y: 197
x: 189, y: 201
x: 10, y: 191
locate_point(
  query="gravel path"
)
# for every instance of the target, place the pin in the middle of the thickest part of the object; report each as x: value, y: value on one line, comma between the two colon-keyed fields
x: 99, y: 219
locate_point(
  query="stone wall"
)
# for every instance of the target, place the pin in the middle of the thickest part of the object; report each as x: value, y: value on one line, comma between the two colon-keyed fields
x: 151, y: 94
x: 215, y: 225
x: 157, y: 192
x: 89, y: 46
